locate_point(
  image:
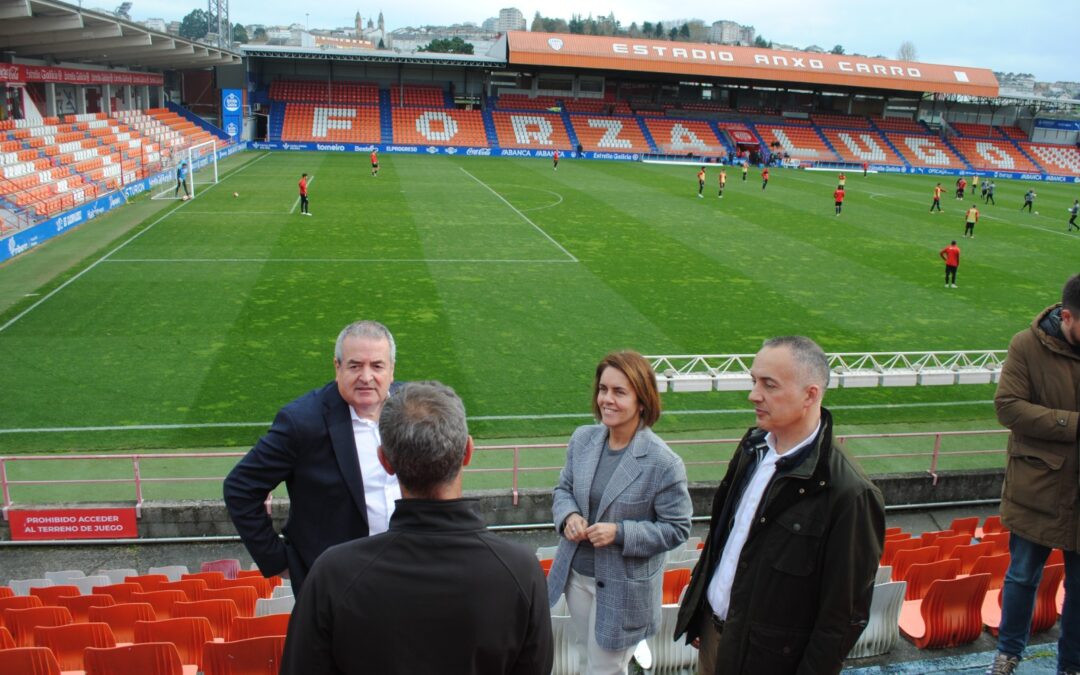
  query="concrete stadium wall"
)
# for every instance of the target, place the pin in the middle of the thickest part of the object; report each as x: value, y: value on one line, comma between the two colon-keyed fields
x: 162, y: 520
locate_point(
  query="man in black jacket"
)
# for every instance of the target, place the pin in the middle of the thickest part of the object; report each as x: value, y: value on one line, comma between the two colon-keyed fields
x: 437, y: 593
x: 784, y: 583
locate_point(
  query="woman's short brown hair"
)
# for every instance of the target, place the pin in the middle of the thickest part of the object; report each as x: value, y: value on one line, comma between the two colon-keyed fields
x: 642, y: 380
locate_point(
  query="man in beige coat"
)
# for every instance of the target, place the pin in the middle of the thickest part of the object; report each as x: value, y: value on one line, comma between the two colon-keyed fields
x: 1037, y: 399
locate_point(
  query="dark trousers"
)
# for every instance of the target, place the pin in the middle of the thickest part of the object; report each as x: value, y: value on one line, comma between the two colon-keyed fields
x: 950, y: 274
x: 989, y: 199
x: 181, y: 183
x: 936, y: 205
x: 303, y: 204
x: 1027, y: 205
x: 700, y: 186
x: 969, y: 228
x: 1072, y: 223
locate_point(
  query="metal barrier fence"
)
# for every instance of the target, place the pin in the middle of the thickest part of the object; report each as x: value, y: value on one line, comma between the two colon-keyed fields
x: 928, y: 449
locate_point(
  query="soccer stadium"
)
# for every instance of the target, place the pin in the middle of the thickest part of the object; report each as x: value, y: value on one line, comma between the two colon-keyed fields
x: 186, y: 228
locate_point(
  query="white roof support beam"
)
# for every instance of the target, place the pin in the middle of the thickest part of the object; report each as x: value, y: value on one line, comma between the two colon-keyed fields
x: 41, y: 24
x: 102, y: 31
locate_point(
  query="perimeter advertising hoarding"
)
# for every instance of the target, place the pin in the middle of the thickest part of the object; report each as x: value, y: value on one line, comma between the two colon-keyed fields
x: 744, y: 63
x: 16, y: 72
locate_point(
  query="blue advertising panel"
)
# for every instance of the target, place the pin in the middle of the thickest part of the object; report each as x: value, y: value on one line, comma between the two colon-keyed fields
x: 232, y: 112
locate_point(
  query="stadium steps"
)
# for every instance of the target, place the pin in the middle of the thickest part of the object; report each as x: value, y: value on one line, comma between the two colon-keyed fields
x: 1024, y: 153
x: 647, y: 134
x: 722, y: 135
x: 386, y: 123
x: 277, y: 120
x: 967, y: 165
x: 892, y: 146
x: 826, y: 141
x: 489, y: 128
x: 448, y: 100
x: 570, y: 131
x: 198, y: 121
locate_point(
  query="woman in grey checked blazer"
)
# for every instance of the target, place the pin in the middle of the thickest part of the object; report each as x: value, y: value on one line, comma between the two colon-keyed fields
x: 620, y: 505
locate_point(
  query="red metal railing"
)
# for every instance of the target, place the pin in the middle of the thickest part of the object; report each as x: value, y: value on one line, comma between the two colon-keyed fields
x: 932, y: 456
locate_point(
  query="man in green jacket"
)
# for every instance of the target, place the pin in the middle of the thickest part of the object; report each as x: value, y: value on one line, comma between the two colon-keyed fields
x: 1040, y: 500
x: 784, y: 583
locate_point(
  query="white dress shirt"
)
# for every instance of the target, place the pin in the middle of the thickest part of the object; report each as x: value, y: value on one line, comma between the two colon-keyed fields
x: 381, y: 490
x: 719, y: 592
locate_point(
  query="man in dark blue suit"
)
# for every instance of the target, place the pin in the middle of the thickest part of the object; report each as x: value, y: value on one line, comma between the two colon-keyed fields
x: 323, y: 446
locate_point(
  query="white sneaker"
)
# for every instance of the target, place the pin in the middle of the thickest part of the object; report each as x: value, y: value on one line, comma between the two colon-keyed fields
x: 306, y: 213
x: 700, y: 196
x: 954, y: 285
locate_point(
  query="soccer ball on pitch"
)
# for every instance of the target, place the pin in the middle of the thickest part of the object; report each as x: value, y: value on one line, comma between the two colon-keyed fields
x: 185, y: 198
x: 236, y: 194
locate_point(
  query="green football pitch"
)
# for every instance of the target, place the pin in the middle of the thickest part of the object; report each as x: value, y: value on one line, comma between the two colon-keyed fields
x: 186, y: 325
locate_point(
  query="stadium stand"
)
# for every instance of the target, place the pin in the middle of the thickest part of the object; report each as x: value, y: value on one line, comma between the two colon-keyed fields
x: 187, y: 634
x: 69, y: 642
x: 412, y: 95
x: 427, y: 126
x: 79, y: 605
x: 969, y: 130
x: 343, y: 92
x: 22, y: 622
x: 531, y: 130
x: 860, y: 146
x: 842, y: 121
x: 798, y: 142
x: 1057, y: 160
x: 1013, y: 133
x: 29, y: 661
x: 899, y: 124
x: 609, y: 134
x: 677, y: 137
x: 150, y: 658
x: 122, y: 618
x: 925, y: 151
x: 525, y: 102
x: 309, y: 122
x: 993, y: 155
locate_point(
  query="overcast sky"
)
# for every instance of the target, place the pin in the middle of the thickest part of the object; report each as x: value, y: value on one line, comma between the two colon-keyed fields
x: 1032, y: 36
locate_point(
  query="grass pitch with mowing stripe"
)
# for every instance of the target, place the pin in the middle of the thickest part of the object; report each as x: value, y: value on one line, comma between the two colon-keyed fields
x: 507, y: 281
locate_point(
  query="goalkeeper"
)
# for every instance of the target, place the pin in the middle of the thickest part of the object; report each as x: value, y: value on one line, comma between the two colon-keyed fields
x: 181, y: 180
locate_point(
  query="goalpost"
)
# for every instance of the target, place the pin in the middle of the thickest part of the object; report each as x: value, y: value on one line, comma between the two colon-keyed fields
x: 201, y: 170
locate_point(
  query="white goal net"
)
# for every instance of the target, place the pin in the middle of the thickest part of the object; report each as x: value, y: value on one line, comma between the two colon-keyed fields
x: 193, y: 169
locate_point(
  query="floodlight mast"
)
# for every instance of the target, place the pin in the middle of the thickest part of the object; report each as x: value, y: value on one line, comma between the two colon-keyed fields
x: 217, y: 12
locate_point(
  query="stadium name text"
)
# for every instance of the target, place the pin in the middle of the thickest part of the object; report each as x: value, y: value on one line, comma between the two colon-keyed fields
x: 768, y: 60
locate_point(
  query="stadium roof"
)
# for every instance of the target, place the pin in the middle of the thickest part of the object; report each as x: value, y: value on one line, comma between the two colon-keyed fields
x: 373, y: 56
x: 46, y: 29
x: 743, y: 63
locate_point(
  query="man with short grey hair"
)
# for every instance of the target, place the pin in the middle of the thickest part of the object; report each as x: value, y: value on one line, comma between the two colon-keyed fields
x: 323, y: 446
x: 783, y: 585
x: 437, y: 593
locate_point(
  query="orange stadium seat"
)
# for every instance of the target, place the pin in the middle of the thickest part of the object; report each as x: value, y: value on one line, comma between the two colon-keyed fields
x: 320, y: 91
x: 50, y: 594
x: 844, y: 121
x: 331, y: 123
x: 536, y: 131
x: 161, y: 601
x: 679, y: 137
x: 243, y: 627
x: 995, y: 566
x: 925, y: 151
x: 29, y: 661
x: 912, y: 556
x: 79, y: 605
x: 148, y: 582
x: 858, y: 146
x: 69, y: 642
x: 218, y: 611
x: 949, y: 614
x: 120, y: 592
x: 150, y: 658
x: 674, y: 582
x: 609, y: 134
x: 22, y: 622
x: 991, y: 155
x: 253, y: 656
x: 245, y: 597
x: 1000, y: 540
x: 122, y: 618
x: 1058, y: 160
x: 212, y: 579
x: 893, y: 546
x: 262, y: 585
x: 230, y: 567
x: 188, y: 634
x: 798, y: 142
x: 420, y: 126
x: 965, y: 525
x: 6, y: 641
x: 190, y: 587
x: 899, y: 124
x: 526, y: 102
x: 970, y: 130
x: 1045, y: 613
x: 417, y: 96
x: 968, y: 554
x: 920, y: 576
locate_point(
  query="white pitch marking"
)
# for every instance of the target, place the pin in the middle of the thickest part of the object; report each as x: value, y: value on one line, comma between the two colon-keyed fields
x: 523, y: 216
x: 336, y: 260
x: 122, y: 245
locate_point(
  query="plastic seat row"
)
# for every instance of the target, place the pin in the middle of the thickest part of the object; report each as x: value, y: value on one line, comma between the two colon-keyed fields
x: 538, y: 130
x: 797, y: 142
x: 427, y: 126
x: 325, y: 123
